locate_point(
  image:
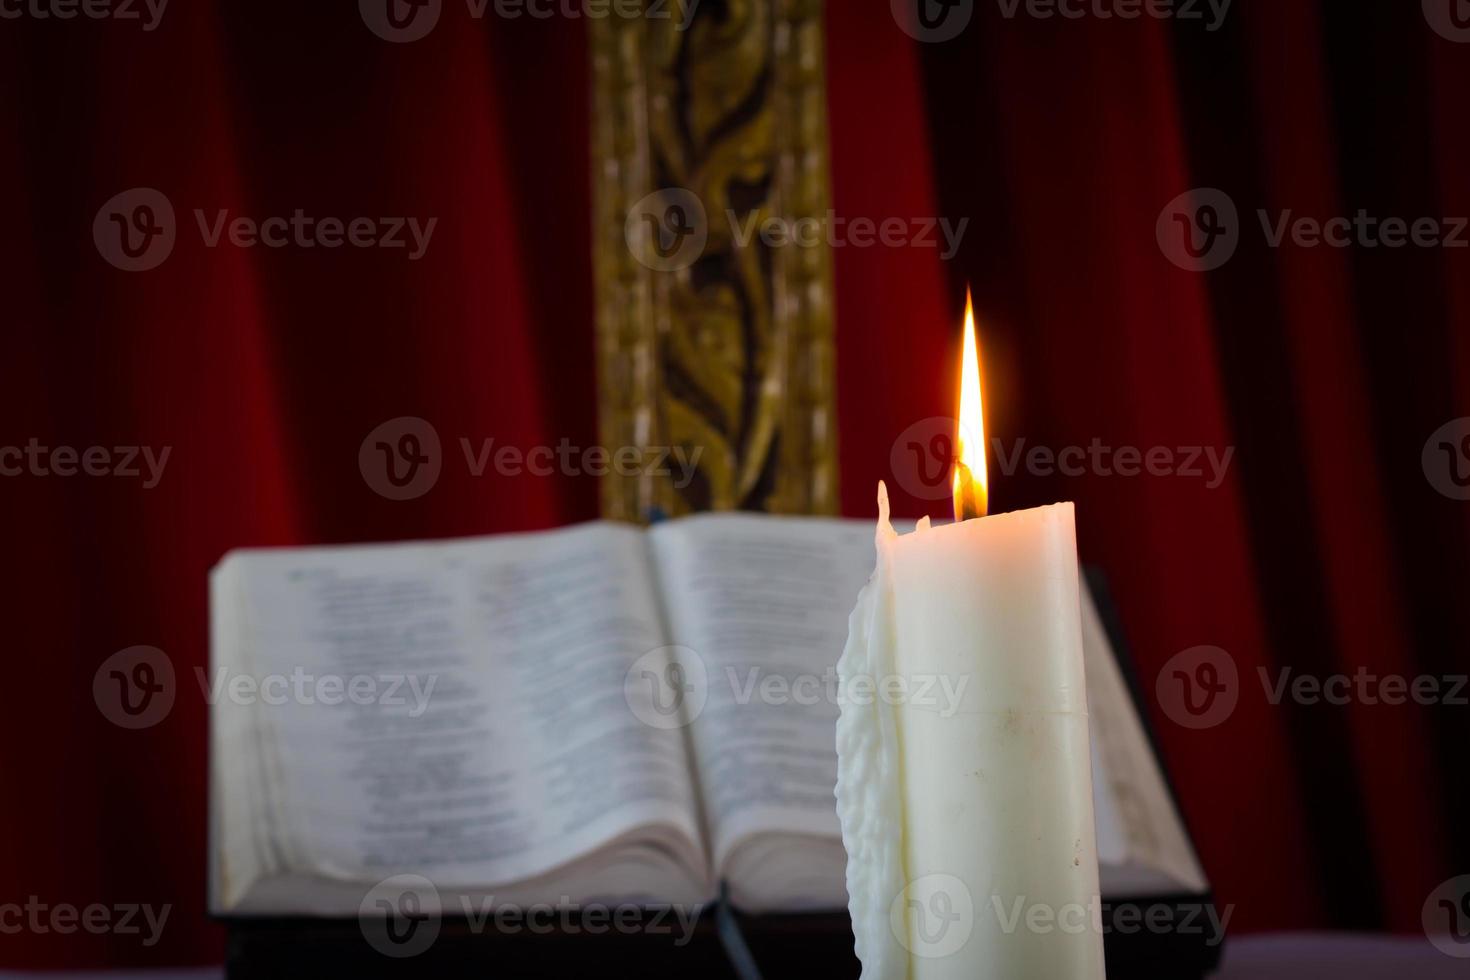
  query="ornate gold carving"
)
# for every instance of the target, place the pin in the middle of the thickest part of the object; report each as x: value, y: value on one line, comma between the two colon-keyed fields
x: 725, y: 351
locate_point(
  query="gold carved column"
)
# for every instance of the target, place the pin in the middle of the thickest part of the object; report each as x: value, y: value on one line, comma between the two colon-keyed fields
x: 714, y: 274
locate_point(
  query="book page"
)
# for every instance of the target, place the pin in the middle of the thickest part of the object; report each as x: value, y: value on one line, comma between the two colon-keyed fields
x: 762, y: 597
x: 763, y: 602
x: 480, y: 733
x: 1143, y: 846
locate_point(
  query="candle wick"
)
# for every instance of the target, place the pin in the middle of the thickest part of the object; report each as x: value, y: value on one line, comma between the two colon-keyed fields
x: 966, y: 499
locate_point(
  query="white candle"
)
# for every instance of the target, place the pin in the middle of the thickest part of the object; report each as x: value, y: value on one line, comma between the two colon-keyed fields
x: 968, y: 819
x: 967, y: 811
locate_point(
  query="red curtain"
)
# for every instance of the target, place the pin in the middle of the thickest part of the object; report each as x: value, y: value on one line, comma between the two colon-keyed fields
x: 262, y: 369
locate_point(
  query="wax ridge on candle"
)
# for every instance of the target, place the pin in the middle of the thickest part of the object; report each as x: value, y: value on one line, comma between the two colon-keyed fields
x: 869, y: 785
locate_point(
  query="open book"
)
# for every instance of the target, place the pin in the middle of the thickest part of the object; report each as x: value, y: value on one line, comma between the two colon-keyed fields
x: 598, y: 713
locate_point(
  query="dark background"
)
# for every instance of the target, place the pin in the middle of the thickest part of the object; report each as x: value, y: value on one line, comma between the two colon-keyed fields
x: 1326, y: 549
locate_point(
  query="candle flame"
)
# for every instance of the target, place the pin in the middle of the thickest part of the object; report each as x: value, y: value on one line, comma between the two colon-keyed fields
x: 971, y: 479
